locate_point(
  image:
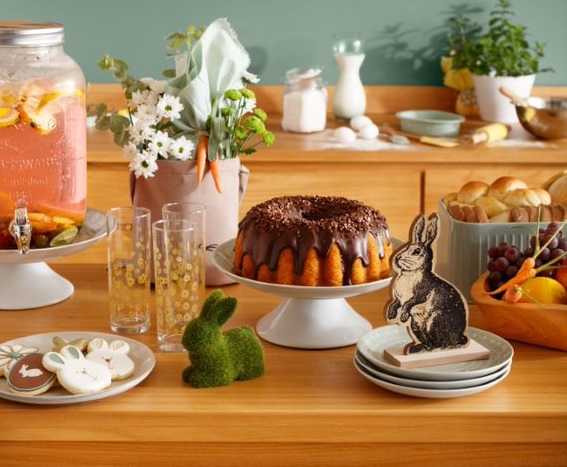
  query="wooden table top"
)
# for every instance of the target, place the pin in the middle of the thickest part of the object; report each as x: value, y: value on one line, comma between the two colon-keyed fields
x: 310, y: 408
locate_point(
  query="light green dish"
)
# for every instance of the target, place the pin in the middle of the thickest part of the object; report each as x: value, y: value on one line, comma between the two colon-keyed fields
x: 430, y: 122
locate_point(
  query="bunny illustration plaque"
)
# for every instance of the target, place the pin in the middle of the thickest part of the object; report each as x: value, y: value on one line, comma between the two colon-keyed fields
x: 434, y: 311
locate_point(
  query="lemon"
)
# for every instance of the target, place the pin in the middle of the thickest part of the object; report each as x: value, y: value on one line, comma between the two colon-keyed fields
x: 66, y: 236
x: 544, y: 290
x: 8, y: 116
x: 39, y: 108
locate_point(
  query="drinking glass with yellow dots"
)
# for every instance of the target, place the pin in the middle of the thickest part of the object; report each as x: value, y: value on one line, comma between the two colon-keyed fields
x: 129, y: 257
x: 176, y: 249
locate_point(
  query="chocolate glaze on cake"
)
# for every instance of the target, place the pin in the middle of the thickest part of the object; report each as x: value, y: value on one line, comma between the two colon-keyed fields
x: 305, y: 222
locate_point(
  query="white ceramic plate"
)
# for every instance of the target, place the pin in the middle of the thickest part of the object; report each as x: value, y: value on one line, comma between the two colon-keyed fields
x: 141, y: 355
x: 372, y: 346
x: 425, y: 384
x: 431, y: 393
x: 223, y: 259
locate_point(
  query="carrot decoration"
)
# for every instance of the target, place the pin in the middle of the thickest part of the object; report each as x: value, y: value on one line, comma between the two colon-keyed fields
x: 215, y: 172
x: 512, y: 294
x: 201, y: 156
x: 527, y: 271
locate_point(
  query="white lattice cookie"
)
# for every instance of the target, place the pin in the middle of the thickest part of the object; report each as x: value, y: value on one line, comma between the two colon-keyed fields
x: 28, y: 376
x: 113, y: 355
x: 10, y: 354
x: 75, y: 373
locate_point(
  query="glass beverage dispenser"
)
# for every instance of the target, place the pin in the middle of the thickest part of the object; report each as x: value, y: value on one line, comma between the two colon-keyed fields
x: 43, y: 181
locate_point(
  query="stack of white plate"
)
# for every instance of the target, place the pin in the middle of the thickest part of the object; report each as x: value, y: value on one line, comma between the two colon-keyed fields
x: 440, y: 381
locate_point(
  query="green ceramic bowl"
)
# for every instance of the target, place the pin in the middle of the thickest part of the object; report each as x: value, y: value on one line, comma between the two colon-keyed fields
x: 430, y: 122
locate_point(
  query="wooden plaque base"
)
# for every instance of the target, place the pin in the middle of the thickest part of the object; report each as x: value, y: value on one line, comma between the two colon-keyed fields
x: 474, y: 351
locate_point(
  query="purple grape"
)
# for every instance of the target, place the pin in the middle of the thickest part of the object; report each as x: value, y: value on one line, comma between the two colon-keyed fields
x: 494, y: 252
x: 503, y: 247
x: 555, y: 253
x: 512, y: 271
x: 512, y: 254
x: 501, y: 264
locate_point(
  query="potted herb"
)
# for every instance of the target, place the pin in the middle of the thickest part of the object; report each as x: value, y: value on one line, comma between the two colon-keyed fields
x: 498, y: 54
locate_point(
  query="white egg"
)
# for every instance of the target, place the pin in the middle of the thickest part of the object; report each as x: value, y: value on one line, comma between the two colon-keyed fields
x: 369, y: 131
x: 356, y: 123
x: 344, y: 134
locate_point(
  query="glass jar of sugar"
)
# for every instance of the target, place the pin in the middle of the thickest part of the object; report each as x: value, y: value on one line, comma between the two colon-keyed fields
x: 304, y: 102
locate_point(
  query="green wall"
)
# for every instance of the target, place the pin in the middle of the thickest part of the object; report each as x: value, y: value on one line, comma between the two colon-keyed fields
x: 405, y: 38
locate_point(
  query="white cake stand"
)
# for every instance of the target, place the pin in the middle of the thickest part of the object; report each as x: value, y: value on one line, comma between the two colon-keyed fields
x: 309, y: 317
x: 26, y: 281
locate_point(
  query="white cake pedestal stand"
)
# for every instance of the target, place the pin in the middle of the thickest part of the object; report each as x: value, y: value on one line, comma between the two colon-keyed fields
x: 309, y: 317
x: 26, y: 281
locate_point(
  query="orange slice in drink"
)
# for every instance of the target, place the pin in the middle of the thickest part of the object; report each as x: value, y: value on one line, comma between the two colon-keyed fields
x: 42, y: 223
x: 8, y: 116
x: 57, y: 212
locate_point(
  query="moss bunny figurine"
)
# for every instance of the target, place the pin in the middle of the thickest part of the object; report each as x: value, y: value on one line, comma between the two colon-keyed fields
x: 217, y: 357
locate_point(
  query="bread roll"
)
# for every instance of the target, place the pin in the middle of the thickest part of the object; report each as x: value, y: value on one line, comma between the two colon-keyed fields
x: 503, y: 185
x: 544, y: 195
x: 503, y: 217
x: 523, y: 197
x: 471, y: 191
x: 491, y: 205
x: 449, y: 198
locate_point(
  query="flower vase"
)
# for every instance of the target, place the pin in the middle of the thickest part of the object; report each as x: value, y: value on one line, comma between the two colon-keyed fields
x: 176, y: 181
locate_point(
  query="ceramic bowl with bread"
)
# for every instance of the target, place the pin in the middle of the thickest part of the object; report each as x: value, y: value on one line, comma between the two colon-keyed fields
x: 481, y: 215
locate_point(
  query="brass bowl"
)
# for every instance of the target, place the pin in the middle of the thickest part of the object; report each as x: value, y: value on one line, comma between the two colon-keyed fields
x: 544, y: 325
x: 544, y: 117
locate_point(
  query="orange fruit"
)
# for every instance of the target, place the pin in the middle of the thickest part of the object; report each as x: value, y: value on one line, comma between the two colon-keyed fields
x: 544, y: 290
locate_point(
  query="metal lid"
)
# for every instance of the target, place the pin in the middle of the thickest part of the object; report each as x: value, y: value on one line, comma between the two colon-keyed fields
x: 29, y: 34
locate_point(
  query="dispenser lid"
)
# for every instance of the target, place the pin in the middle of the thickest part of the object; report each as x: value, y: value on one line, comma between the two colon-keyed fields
x: 30, y: 34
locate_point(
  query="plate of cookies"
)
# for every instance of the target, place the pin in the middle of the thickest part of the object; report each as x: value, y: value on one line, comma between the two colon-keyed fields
x: 71, y: 367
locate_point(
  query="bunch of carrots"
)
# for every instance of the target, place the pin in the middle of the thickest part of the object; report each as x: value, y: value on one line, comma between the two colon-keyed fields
x: 513, y: 288
x: 201, y: 158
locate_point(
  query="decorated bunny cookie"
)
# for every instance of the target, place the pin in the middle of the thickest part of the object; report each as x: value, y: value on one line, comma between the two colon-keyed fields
x: 75, y: 373
x: 113, y: 355
x: 436, y: 310
x: 10, y: 354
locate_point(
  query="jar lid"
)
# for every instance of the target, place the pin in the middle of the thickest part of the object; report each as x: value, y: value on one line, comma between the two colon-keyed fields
x: 298, y: 74
x: 29, y: 34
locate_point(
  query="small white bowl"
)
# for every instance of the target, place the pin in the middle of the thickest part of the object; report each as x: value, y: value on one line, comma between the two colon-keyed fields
x: 430, y: 122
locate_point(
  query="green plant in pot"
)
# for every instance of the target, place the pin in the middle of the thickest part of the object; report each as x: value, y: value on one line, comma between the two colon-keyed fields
x: 498, y: 54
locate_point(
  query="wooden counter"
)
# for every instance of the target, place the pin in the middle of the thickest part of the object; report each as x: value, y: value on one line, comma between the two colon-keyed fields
x: 400, y: 183
x: 311, y: 408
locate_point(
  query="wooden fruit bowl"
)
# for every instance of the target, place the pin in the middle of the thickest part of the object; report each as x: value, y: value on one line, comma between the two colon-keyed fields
x: 544, y: 325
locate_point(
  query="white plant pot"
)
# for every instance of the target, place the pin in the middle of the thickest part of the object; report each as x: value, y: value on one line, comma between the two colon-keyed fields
x: 492, y: 105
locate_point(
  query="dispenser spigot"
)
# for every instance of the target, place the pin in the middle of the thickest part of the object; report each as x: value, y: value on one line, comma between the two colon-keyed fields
x: 21, y: 229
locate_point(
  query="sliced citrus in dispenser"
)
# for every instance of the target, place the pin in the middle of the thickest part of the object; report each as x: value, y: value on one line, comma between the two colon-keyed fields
x: 77, y: 217
x: 8, y: 116
x: 65, y: 236
x: 41, y: 223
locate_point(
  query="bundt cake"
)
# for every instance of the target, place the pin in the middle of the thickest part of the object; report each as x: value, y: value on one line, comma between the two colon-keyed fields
x: 313, y: 241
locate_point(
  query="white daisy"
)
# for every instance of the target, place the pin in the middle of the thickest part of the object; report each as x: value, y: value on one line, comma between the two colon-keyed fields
x: 159, y: 143
x: 169, y: 107
x: 129, y: 151
x: 182, y: 148
x: 154, y: 85
x: 143, y: 165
